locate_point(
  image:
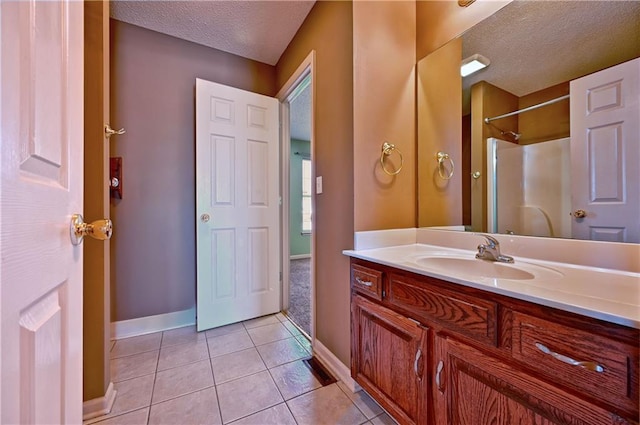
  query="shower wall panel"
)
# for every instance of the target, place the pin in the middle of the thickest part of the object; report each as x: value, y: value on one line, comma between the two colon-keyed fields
x: 547, y: 189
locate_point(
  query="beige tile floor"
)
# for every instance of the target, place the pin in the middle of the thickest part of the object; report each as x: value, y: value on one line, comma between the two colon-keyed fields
x: 248, y: 373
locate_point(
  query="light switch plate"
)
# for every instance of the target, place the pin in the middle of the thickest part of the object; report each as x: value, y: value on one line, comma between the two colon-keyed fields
x: 318, y: 185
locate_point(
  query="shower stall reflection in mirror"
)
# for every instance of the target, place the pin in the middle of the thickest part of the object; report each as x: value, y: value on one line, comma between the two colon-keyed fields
x: 529, y: 188
x: 298, y: 198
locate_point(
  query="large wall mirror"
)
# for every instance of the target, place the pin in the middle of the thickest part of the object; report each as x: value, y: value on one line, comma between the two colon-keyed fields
x: 535, y: 171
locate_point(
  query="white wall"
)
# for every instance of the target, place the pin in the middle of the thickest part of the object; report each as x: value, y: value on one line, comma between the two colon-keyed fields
x: 533, y: 188
x: 547, y: 186
x: 509, y: 187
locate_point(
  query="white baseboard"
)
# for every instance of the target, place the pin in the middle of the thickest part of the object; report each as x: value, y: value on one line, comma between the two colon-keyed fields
x: 299, y: 256
x: 335, y: 366
x: 150, y: 324
x: 99, y: 406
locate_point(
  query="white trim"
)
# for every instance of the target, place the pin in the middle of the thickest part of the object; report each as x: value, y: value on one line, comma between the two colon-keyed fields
x: 299, y: 256
x: 308, y: 64
x: 285, y: 249
x: 99, y: 406
x: 1, y: 226
x: 306, y: 67
x: 150, y: 324
x: 335, y: 366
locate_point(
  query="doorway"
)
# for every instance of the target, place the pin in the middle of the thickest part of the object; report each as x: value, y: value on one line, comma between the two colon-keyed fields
x: 300, y: 210
x: 298, y: 198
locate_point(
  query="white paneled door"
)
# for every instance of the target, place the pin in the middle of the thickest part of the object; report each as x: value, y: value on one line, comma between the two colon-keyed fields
x: 41, y: 123
x: 237, y: 205
x: 605, y: 154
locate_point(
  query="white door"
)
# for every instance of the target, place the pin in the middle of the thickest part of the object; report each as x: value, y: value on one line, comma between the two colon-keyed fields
x: 605, y: 154
x: 237, y: 205
x: 41, y: 187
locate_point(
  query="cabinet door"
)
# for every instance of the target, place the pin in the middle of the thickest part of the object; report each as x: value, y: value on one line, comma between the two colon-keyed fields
x: 472, y: 388
x: 388, y: 359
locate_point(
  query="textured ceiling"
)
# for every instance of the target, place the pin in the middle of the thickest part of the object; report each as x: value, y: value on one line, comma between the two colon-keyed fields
x: 300, y: 115
x: 259, y: 30
x: 536, y: 44
x: 531, y: 44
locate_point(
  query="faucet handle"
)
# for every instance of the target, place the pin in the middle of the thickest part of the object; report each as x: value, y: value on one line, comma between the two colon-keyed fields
x: 491, y: 241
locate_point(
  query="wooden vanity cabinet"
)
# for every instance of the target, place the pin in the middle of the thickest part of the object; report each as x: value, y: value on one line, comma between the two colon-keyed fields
x: 389, y: 358
x: 434, y: 352
x: 473, y: 388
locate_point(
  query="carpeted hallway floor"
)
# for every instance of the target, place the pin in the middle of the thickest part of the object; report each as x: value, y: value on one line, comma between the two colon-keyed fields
x: 300, y: 293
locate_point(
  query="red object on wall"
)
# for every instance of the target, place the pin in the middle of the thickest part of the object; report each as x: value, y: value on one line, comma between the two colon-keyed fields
x: 115, y: 177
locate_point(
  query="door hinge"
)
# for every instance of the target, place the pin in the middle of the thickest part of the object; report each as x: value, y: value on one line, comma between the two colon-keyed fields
x: 280, y: 276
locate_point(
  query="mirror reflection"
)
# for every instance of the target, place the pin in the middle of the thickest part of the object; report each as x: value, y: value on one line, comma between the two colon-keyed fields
x: 550, y: 133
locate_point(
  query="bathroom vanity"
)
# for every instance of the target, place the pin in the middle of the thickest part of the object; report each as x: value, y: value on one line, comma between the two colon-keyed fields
x: 439, y: 337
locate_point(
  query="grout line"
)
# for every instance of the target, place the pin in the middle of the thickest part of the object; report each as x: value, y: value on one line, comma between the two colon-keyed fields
x: 290, y: 411
x: 137, y: 352
x: 188, y: 392
x: 353, y: 402
x: 182, y: 364
x: 207, y: 337
x: 254, y: 413
x: 135, y: 376
x: 108, y: 417
x: 134, y: 354
x: 210, y: 365
x: 275, y: 383
x: 155, y: 376
x: 182, y: 395
x: 215, y: 386
x: 258, y: 411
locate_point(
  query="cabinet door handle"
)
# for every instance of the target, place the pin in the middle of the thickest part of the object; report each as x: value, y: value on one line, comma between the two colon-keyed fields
x: 364, y: 282
x: 593, y: 366
x: 415, y: 363
x: 438, y: 376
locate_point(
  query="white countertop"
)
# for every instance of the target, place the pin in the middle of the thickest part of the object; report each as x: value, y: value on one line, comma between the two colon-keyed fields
x: 605, y: 294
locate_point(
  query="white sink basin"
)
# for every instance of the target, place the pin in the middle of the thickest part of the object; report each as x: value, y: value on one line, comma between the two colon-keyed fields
x: 475, y: 268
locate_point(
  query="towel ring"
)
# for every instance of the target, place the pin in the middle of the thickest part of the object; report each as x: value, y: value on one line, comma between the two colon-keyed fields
x: 442, y: 156
x: 387, y: 149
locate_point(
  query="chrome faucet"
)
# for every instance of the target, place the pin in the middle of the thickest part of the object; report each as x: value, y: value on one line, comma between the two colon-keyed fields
x: 491, y: 251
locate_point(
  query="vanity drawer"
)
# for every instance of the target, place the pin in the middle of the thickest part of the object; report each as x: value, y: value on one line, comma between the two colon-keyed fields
x: 366, y: 281
x: 466, y: 314
x: 596, y: 365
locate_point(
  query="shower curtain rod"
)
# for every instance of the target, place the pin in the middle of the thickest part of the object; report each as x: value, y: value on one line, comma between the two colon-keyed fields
x: 530, y: 108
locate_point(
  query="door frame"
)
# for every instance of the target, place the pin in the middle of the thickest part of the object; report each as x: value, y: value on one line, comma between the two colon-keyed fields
x: 306, y: 68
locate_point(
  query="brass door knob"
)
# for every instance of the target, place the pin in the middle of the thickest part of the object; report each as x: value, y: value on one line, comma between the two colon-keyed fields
x: 579, y: 214
x: 99, y: 229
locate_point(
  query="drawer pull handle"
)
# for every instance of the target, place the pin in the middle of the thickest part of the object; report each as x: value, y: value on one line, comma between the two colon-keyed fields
x: 364, y: 282
x: 593, y: 366
x: 438, y: 374
x: 415, y: 363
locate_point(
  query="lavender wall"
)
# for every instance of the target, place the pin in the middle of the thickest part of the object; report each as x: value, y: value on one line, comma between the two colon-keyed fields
x: 152, y: 95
